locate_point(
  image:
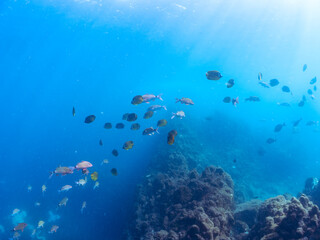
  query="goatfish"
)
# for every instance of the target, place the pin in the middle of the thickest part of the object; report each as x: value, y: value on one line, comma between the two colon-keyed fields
x: 62, y: 170
x: 84, y: 165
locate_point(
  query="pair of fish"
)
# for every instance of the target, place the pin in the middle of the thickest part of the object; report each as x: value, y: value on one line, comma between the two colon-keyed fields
x: 234, y: 101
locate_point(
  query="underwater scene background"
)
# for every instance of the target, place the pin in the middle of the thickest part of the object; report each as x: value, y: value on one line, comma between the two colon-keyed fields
x: 96, y: 55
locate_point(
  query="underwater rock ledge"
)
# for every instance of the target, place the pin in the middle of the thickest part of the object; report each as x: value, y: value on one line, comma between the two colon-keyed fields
x: 282, y: 219
x: 188, y: 206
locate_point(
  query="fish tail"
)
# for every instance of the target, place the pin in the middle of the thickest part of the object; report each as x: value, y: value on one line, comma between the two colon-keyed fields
x: 157, y: 130
x: 159, y: 97
x: 177, y: 100
x: 165, y: 108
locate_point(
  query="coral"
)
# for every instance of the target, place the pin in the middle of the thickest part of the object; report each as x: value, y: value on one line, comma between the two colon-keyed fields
x: 279, y: 218
x: 185, y: 206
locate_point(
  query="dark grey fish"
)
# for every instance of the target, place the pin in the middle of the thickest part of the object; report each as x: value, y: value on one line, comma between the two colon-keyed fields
x: 148, y: 114
x: 90, y: 119
x: 132, y: 117
x: 296, y: 123
x: 227, y: 100
x: 100, y: 142
x: 261, y: 151
x: 301, y: 103
x: 253, y: 99
x: 279, y: 127
x: 285, y: 89
x: 310, y: 92
x: 107, y: 126
x: 305, y: 67
x: 213, y: 75
x: 125, y: 116
x: 274, y: 82
x: 137, y: 100
x: 73, y: 111
x: 313, y: 80
x: 230, y: 83
x: 119, y: 125
x: 135, y: 126
x: 115, y: 153
x: 284, y: 104
x: 271, y: 140
x: 264, y: 84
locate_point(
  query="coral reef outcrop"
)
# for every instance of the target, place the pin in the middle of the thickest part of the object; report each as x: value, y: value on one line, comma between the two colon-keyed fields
x: 184, y: 206
x: 281, y: 219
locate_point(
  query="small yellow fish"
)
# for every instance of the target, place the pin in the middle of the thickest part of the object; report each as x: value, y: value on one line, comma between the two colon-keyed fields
x: 96, y: 185
x: 43, y: 188
x: 94, y: 176
x: 40, y: 224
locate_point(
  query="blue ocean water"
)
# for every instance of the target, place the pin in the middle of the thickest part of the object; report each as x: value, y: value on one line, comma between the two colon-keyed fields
x: 97, y: 55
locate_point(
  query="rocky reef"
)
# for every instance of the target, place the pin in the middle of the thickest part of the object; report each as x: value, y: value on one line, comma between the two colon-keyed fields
x: 188, y: 206
x: 281, y: 219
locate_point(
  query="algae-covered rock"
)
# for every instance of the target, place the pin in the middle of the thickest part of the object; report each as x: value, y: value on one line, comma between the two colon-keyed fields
x: 188, y: 206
